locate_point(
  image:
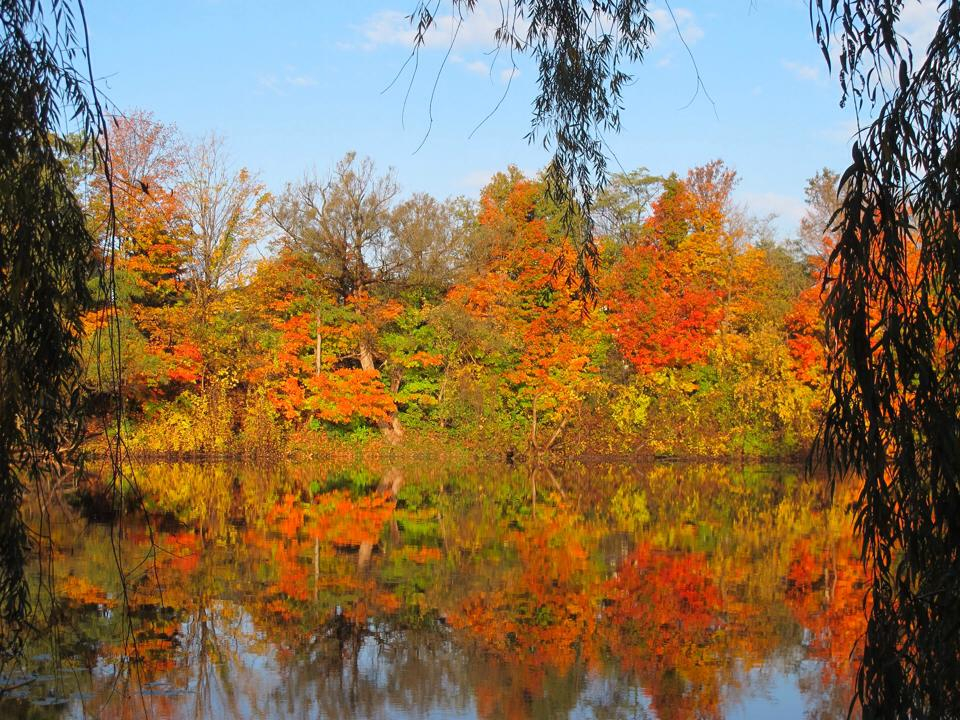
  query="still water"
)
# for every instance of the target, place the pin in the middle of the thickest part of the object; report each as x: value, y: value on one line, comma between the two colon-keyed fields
x: 600, y: 591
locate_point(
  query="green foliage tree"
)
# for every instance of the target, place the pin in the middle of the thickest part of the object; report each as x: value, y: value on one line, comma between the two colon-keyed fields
x: 624, y: 204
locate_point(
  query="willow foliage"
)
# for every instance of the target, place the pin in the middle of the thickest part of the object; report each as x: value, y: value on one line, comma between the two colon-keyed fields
x: 582, y: 50
x: 892, y: 303
x: 46, y: 261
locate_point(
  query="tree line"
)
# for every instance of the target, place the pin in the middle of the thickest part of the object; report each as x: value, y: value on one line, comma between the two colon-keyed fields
x: 342, y: 308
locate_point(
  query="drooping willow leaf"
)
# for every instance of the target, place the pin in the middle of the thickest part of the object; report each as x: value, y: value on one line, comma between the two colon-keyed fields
x: 46, y: 261
x: 892, y: 305
x: 582, y: 50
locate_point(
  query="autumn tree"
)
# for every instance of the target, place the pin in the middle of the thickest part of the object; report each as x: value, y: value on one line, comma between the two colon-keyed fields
x: 805, y: 321
x: 151, y: 221
x: 225, y: 210
x: 696, y: 307
x: 669, y: 292
x: 153, y: 232
x: 429, y: 249
x: 341, y: 226
x: 545, y: 366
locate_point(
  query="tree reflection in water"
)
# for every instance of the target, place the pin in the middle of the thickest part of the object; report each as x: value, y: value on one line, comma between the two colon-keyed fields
x: 663, y: 592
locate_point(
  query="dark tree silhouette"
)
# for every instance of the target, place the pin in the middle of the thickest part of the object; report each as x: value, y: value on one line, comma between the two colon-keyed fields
x: 892, y: 302
x: 46, y: 261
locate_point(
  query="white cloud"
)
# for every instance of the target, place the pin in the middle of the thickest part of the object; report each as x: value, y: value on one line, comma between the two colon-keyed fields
x: 478, y: 67
x: 392, y: 27
x: 387, y: 27
x: 801, y: 71
x: 300, y: 81
x: 487, y: 69
x: 788, y: 209
x: 269, y: 82
x: 279, y: 84
x: 666, y: 25
x: 473, y: 182
x: 918, y: 23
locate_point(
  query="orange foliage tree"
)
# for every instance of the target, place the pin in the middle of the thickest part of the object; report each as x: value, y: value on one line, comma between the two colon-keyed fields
x: 669, y: 292
x: 547, y: 368
x: 154, y: 248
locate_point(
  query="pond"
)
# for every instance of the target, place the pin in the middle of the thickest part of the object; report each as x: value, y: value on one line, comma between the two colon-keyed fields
x: 595, y: 591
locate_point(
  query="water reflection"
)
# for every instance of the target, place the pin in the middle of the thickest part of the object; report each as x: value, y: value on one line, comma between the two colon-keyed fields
x: 662, y: 592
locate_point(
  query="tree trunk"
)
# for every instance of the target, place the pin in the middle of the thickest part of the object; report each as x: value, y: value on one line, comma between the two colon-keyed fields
x: 319, y: 349
x: 364, y: 555
x: 366, y: 355
x: 395, y: 428
x: 316, y: 568
x: 392, y: 429
x: 391, y: 482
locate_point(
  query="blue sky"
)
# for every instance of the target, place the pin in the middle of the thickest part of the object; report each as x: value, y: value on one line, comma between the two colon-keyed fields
x: 292, y: 86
